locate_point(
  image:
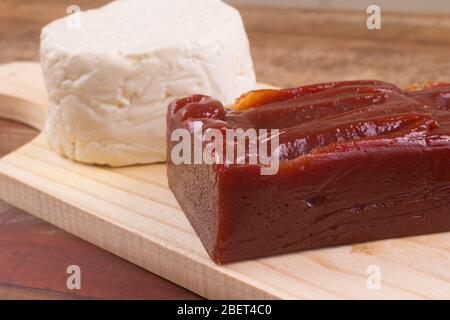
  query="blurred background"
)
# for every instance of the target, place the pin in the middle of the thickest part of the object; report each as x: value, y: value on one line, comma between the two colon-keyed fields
x: 391, y: 5
x: 293, y: 42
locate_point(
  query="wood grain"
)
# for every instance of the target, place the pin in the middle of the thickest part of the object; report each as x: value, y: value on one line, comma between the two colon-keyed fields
x: 35, y: 256
x: 14, y: 135
x: 32, y: 252
x: 305, y: 46
x: 290, y: 47
x: 131, y: 212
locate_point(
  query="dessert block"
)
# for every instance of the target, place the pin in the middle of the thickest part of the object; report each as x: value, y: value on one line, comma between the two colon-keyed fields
x: 358, y: 161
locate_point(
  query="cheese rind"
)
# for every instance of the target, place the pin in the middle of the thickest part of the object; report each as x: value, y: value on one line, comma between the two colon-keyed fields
x: 110, y: 81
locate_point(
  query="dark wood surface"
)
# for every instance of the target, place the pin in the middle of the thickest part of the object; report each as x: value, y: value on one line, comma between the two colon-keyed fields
x: 289, y: 47
x: 34, y: 255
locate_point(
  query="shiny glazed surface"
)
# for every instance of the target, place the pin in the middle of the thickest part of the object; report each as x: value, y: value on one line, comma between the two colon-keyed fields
x: 361, y: 160
x: 312, y: 117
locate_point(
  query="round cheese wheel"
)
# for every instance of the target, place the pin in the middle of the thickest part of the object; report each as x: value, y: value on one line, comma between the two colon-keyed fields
x: 111, y: 73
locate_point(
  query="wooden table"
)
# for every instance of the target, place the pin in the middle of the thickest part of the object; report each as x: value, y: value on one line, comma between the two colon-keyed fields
x: 289, y: 46
x: 34, y: 255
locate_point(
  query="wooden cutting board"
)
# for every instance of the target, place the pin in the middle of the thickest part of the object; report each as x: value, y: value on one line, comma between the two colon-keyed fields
x: 132, y: 213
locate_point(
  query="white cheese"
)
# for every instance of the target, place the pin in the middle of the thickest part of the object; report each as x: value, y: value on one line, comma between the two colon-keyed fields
x: 110, y: 81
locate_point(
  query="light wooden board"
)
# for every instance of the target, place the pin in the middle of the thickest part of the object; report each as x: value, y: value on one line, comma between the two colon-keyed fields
x: 132, y: 213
